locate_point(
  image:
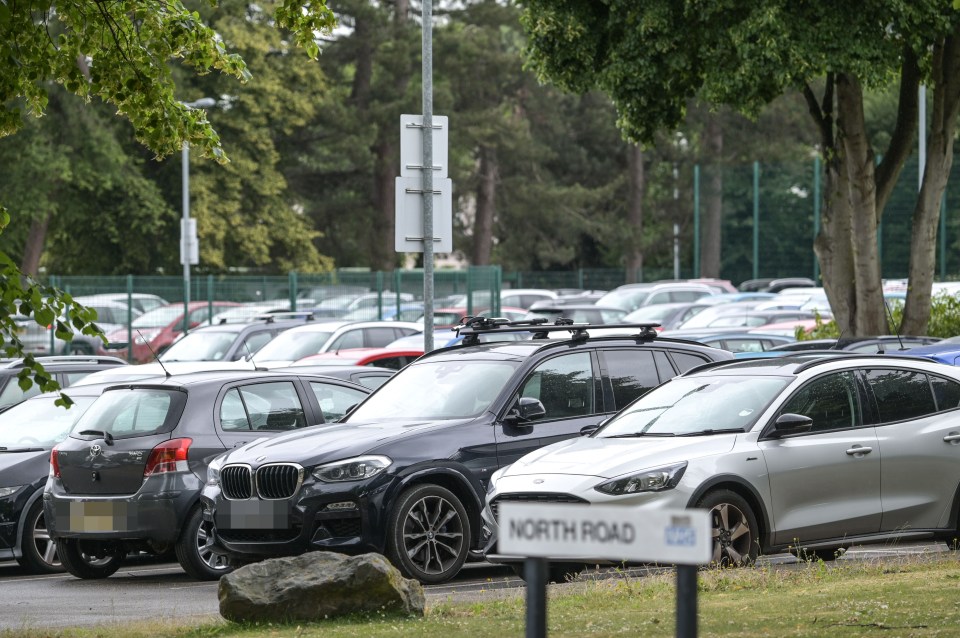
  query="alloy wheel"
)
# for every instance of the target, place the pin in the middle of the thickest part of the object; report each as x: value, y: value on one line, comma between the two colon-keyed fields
x: 433, y: 534
x: 732, y: 535
x: 205, y: 549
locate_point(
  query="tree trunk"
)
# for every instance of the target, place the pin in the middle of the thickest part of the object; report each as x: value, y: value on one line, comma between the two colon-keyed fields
x: 860, y: 165
x: 833, y: 245
x: 939, y: 162
x: 710, y: 237
x: 489, y: 173
x: 33, y: 249
x: 636, y: 190
x: 383, y: 251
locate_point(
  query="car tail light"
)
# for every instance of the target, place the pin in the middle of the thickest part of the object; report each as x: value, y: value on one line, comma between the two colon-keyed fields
x: 55, y: 462
x: 169, y: 456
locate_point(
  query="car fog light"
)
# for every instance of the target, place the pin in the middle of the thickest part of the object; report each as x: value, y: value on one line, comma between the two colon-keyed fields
x: 342, y: 506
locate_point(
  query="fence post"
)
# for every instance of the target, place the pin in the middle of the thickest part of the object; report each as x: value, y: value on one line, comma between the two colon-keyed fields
x: 292, y: 289
x: 398, y: 286
x: 209, y: 299
x: 816, y: 214
x: 379, y: 294
x: 130, y: 318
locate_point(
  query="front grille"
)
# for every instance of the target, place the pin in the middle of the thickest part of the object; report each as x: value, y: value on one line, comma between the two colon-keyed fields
x: 279, y: 481
x: 236, y: 482
x: 533, y: 498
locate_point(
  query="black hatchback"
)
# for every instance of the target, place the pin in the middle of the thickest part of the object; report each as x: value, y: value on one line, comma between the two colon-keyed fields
x: 405, y: 473
x: 128, y: 477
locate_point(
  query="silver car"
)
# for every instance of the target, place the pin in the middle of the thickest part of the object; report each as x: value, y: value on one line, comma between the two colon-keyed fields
x: 799, y: 454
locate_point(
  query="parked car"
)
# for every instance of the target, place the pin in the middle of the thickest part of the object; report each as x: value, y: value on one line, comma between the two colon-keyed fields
x: 744, y: 341
x: 156, y: 369
x: 66, y: 370
x: 454, y: 315
x: 368, y: 376
x: 141, y: 302
x: 404, y: 473
x: 629, y: 297
x: 342, y: 305
x: 28, y: 431
x: 866, y: 345
x: 40, y: 339
x: 578, y: 313
x: 155, y: 330
x: 806, y: 455
x: 129, y: 475
x: 326, y: 336
x: 392, y: 358
x: 227, y: 342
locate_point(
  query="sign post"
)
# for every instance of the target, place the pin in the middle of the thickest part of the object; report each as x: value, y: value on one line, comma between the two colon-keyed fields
x: 602, y: 532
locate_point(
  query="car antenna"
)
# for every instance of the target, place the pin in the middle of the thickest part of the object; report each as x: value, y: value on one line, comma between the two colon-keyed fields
x: 895, y: 327
x: 155, y: 357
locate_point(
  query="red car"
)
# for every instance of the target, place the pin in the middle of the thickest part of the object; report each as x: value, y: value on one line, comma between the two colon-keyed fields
x: 153, y: 331
x: 379, y: 357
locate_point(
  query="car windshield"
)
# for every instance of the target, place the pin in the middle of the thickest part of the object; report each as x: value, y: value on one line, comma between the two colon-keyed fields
x: 39, y: 422
x: 158, y: 318
x: 129, y: 412
x: 200, y: 346
x: 687, y: 405
x: 437, y: 390
x: 294, y: 344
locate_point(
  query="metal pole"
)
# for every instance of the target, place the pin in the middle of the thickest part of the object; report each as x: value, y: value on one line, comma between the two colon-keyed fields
x: 756, y: 220
x: 184, y: 239
x: 535, y: 573
x: 816, y: 213
x: 696, y: 220
x: 427, y: 173
x: 686, y: 601
x: 676, y: 251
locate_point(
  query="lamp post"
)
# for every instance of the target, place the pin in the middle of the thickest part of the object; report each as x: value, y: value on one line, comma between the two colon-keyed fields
x: 188, y: 232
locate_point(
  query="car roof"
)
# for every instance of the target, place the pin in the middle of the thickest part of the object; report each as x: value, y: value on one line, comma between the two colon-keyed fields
x: 216, y: 376
x: 792, y: 364
x: 65, y: 361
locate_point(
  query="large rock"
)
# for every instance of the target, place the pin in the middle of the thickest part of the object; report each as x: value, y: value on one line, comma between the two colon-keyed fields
x: 315, y: 586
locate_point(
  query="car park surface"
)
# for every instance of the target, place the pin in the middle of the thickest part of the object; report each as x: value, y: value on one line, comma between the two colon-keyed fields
x: 129, y: 475
x: 792, y: 452
x: 405, y: 472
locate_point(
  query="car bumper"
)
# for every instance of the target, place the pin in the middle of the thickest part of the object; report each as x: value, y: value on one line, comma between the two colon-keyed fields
x: 345, y: 518
x: 155, y: 513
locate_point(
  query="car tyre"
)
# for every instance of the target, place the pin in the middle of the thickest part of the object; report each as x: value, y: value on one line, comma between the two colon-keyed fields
x: 556, y: 572
x: 38, y: 550
x: 88, y: 560
x: 194, y: 549
x: 734, y: 528
x: 428, y: 534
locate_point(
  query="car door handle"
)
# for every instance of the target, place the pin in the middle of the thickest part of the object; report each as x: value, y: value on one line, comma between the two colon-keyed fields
x: 953, y: 437
x: 857, y: 450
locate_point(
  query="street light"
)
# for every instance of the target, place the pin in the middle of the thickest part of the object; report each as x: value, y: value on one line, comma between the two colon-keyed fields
x: 188, y: 231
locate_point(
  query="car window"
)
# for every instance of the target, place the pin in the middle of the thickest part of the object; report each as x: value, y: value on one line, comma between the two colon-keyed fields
x: 133, y: 412
x: 13, y: 394
x: 632, y: 374
x: 687, y: 361
x: 830, y: 400
x: 273, y: 406
x: 349, y: 339
x: 254, y: 342
x: 392, y: 363
x: 73, y: 377
x: 379, y: 337
x: 661, y: 297
x: 687, y: 296
x: 743, y: 345
x: 335, y: 400
x: 233, y: 416
x: 564, y: 385
x: 946, y: 392
x: 901, y: 394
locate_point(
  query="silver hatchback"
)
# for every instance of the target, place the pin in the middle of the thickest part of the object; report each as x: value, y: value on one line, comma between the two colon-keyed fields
x: 793, y: 453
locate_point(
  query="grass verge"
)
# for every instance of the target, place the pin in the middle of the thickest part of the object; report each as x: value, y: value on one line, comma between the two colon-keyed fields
x: 906, y: 597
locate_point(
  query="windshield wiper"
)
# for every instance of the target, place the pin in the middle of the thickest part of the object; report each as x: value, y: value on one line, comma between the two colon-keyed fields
x: 637, y: 434
x: 106, y: 436
x: 709, y: 431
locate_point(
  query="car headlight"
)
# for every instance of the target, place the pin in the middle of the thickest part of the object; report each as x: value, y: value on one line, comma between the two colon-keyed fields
x: 655, y: 480
x: 355, y: 469
x: 213, y: 471
x: 9, y: 491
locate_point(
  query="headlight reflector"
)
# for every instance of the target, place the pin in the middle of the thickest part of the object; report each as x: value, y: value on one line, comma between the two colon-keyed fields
x: 655, y: 480
x: 355, y: 469
x: 8, y: 491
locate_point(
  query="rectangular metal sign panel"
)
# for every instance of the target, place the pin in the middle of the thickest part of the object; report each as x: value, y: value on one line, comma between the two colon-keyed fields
x: 189, y: 245
x: 605, y: 532
x: 409, y: 211
x: 411, y: 145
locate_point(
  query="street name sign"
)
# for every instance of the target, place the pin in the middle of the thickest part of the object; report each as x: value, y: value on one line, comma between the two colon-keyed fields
x: 605, y: 532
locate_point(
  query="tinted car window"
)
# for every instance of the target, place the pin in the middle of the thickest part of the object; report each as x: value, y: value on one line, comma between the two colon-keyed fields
x: 900, y: 394
x: 830, y: 400
x: 134, y: 412
x: 564, y: 385
x: 335, y: 400
x: 273, y: 406
x: 946, y: 392
x: 632, y: 374
x: 686, y: 361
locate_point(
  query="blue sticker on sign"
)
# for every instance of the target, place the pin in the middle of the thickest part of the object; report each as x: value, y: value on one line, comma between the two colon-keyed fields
x: 681, y: 536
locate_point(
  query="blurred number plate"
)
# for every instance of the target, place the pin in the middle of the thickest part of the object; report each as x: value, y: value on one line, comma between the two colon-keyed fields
x: 94, y: 516
x: 253, y: 514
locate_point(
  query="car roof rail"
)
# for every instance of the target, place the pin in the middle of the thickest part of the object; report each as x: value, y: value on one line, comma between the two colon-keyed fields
x: 711, y: 364
x: 853, y: 355
x: 70, y: 359
x: 470, y: 328
x: 272, y: 317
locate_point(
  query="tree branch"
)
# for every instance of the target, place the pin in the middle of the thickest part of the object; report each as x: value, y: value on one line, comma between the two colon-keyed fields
x: 823, y: 121
x: 904, y: 133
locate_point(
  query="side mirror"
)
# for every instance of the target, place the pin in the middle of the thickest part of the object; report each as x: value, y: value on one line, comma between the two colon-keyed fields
x: 527, y: 409
x: 587, y: 430
x: 791, y: 424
